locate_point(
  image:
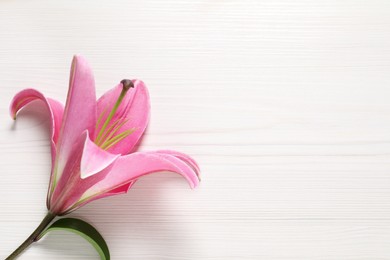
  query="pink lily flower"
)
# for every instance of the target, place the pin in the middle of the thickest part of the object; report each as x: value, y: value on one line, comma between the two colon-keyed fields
x: 93, y: 142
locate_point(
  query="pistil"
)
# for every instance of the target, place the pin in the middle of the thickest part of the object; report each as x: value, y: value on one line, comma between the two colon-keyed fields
x: 126, y: 85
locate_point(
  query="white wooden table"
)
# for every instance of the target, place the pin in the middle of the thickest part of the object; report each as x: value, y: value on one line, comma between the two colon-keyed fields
x: 285, y: 105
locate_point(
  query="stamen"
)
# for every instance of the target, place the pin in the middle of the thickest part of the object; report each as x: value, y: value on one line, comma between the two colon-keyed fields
x: 112, y: 131
x: 126, y: 85
x: 100, y: 118
x: 117, y: 139
x: 106, y: 132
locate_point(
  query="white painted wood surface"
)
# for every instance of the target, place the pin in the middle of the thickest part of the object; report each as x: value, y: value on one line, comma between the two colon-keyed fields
x: 285, y: 104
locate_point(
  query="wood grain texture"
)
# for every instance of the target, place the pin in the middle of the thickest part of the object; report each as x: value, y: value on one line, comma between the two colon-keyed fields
x: 285, y: 104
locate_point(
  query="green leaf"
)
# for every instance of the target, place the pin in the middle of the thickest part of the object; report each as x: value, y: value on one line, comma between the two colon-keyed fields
x: 83, y: 229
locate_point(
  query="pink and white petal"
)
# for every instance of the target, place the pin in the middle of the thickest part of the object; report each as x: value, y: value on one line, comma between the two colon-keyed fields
x: 130, y: 167
x: 120, y: 190
x: 184, y: 157
x: 134, y: 109
x: 80, y: 111
x: 117, y: 191
x: 94, y: 159
x: 96, y: 164
x: 55, y: 109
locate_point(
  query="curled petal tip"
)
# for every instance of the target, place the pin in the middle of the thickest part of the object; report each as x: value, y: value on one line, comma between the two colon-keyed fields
x: 76, y: 56
x: 13, y: 112
x: 197, y: 183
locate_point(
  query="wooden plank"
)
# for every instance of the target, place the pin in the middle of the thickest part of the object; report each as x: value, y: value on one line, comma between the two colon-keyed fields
x: 285, y: 104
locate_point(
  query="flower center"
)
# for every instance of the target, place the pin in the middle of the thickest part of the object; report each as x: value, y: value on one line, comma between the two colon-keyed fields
x: 108, y: 134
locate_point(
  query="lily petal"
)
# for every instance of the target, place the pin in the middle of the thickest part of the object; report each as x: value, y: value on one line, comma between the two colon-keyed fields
x: 55, y: 108
x: 87, y: 165
x: 120, y: 190
x: 184, y: 157
x: 130, y: 167
x: 117, y: 191
x: 94, y: 159
x: 133, y: 111
x: 80, y: 111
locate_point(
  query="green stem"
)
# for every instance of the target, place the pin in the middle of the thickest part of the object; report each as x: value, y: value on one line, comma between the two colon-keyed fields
x: 33, y: 237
